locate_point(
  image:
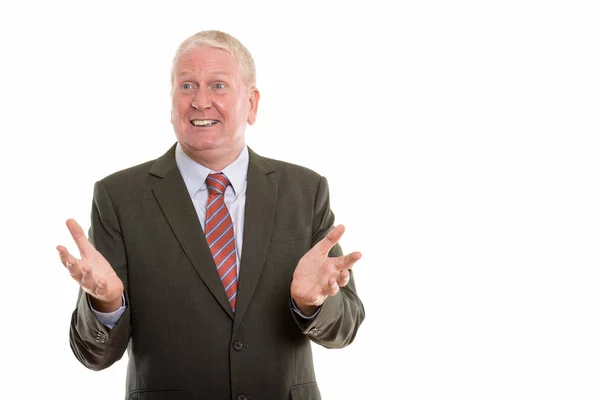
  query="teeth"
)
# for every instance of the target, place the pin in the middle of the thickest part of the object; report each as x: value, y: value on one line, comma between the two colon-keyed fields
x: 203, y: 122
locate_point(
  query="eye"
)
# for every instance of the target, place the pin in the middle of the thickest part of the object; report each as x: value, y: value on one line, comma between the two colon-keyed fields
x: 187, y: 86
x: 219, y: 86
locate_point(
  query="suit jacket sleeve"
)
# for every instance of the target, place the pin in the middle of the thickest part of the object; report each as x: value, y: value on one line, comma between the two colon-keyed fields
x: 94, y: 345
x: 337, y: 322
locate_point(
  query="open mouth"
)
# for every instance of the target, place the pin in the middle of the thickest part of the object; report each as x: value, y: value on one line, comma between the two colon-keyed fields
x: 204, y: 122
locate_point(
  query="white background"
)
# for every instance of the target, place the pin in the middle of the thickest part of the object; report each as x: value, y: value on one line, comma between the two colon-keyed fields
x: 472, y: 124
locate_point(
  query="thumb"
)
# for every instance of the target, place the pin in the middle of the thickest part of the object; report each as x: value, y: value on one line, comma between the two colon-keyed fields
x: 81, y: 240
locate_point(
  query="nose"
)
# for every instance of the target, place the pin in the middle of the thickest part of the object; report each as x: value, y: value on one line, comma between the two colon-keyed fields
x: 201, y: 100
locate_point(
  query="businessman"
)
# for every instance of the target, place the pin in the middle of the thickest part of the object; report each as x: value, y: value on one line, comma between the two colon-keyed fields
x: 212, y: 266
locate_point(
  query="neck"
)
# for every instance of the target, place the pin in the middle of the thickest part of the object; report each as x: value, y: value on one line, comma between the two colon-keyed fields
x: 215, y: 159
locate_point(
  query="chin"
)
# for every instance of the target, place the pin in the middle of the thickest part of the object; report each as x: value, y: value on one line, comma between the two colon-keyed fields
x: 197, y: 140
x: 201, y: 144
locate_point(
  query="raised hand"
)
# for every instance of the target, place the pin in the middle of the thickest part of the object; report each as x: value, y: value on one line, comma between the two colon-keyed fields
x: 93, y: 273
x: 318, y: 276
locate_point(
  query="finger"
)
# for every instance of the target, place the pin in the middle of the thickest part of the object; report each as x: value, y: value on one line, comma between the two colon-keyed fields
x: 347, y: 261
x: 343, y: 278
x: 332, y: 286
x: 70, y: 262
x: 65, y: 256
x: 318, y: 300
x: 87, y: 279
x: 331, y: 239
x: 314, y: 298
x: 101, y: 289
x: 95, y: 288
x: 81, y: 240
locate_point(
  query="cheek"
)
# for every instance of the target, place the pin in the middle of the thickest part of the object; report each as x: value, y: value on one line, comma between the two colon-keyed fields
x: 233, y: 106
x: 221, y: 104
x: 177, y: 113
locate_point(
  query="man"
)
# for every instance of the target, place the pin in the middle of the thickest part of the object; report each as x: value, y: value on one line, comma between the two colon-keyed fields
x: 212, y: 265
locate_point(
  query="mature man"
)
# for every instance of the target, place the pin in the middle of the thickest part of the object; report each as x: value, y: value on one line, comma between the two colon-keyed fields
x: 212, y: 265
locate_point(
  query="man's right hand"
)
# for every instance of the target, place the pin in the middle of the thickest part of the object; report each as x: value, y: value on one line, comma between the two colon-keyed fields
x: 93, y: 273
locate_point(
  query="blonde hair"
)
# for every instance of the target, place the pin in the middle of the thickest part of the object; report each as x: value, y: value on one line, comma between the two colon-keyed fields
x: 220, y: 40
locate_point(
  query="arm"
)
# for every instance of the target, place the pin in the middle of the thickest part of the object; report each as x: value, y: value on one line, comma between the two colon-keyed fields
x: 323, y: 278
x: 94, y: 345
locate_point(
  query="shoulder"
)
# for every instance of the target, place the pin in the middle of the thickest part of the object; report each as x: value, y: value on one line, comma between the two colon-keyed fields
x: 285, y: 171
x: 141, y: 175
x: 129, y: 179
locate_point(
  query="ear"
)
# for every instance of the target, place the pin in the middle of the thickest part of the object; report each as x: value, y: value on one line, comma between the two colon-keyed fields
x: 254, y: 97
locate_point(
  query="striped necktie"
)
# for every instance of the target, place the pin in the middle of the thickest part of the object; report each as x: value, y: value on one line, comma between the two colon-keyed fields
x: 220, y: 235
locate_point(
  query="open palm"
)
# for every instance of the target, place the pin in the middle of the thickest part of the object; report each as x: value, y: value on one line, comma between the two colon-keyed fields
x: 318, y: 276
x: 92, y: 271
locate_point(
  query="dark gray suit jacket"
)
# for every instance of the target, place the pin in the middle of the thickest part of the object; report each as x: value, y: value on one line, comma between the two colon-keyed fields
x: 182, y: 338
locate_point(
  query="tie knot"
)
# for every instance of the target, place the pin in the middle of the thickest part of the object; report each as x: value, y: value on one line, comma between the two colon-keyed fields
x: 217, y: 183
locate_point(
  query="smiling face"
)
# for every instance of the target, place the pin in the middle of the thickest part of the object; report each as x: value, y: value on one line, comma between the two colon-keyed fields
x: 212, y: 104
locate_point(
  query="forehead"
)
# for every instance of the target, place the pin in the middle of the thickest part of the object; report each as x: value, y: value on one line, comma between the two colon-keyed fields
x: 206, y: 60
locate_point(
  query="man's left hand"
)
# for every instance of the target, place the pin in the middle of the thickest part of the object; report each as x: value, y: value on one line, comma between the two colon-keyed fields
x: 318, y: 276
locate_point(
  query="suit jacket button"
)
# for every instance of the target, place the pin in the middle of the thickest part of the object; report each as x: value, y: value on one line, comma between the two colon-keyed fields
x: 238, y: 346
x: 100, y: 337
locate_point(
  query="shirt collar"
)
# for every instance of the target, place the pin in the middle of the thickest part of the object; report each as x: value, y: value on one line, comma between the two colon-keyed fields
x: 194, y: 174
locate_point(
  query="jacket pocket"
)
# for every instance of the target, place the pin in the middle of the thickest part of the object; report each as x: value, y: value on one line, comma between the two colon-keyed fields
x: 155, y: 394
x: 305, y: 391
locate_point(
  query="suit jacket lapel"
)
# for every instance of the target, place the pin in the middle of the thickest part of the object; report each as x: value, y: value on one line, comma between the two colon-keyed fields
x: 261, y: 201
x: 176, y: 205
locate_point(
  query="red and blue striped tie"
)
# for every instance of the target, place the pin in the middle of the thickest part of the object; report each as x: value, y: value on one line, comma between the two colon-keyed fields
x: 220, y: 235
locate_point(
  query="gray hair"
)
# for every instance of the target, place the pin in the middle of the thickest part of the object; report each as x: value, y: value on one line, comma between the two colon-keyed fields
x: 220, y: 40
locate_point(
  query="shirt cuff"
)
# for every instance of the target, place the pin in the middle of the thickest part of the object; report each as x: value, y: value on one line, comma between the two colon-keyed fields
x: 110, y: 319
